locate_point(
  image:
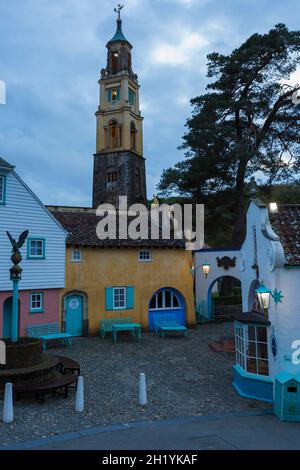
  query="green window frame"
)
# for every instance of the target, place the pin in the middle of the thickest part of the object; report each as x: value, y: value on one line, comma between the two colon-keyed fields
x: 113, y: 94
x: 2, y: 189
x: 131, y: 97
x: 36, y: 248
x: 36, y: 302
x: 115, y: 295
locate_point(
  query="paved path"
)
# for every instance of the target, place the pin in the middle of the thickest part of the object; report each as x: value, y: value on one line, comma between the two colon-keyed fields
x: 243, y: 430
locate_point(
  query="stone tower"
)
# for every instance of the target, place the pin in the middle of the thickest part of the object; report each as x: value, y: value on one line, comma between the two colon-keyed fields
x: 119, y: 165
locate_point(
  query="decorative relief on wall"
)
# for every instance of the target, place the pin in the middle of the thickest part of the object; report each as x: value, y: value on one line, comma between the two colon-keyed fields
x: 226, y: 262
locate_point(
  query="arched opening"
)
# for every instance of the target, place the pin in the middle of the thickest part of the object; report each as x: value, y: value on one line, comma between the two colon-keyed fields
x: 167, y: 302
x: 224, y: 298
x: 133, y: 133
x: 75, y: 314
x: 114, y: 62
x: 113, y: 134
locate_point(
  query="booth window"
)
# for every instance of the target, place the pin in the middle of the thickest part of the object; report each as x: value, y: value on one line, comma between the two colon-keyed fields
x: 251, y: 344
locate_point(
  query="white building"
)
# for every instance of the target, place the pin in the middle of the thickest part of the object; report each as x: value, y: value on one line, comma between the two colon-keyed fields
x: 270, y: 255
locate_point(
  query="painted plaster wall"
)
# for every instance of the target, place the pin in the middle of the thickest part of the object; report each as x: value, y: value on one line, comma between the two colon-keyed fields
x: 285, y: 316
x: 103, y: 268
x: 50, y: 314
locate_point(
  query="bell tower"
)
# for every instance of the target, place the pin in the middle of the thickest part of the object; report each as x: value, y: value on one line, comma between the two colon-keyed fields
x: 119, y: 165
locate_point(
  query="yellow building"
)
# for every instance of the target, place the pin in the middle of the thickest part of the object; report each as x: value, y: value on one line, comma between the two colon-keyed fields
x: 120, y: 278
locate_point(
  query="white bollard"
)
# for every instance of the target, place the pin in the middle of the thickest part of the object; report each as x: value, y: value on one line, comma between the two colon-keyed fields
x: 8, y: 410
x: 143, y: 390
x: 79, y: 407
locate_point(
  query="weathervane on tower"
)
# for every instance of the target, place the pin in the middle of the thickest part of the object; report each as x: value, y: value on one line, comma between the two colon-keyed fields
x: 118, y: 10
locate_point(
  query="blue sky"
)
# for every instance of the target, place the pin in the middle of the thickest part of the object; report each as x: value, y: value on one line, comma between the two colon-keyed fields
x: 52, y: 52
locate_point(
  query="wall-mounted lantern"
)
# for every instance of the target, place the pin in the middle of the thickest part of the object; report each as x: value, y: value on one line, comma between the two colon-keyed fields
x: 206, y: 268
x: 263, y: 295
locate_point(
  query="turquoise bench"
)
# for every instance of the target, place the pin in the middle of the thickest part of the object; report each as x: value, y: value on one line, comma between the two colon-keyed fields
x: 47, y: 332
x: 168, y: 324
x: 106, y: 326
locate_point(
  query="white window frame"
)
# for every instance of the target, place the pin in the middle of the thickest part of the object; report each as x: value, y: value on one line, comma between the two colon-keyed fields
x: 145, y: 260
x: 241, y: 347
x: 119, y: 307
x: 41, y: 300
x: 31, y: 256
x: 164, y: 301
x: 74, y: 259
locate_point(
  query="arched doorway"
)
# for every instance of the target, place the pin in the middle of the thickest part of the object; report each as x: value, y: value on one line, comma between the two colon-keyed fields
x: 167, y: 301
x: 75, y: 314
x: 224, y: 298
x: 7, y: 318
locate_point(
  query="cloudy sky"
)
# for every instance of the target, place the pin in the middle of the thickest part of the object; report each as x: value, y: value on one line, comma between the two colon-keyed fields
x: 51, y: 55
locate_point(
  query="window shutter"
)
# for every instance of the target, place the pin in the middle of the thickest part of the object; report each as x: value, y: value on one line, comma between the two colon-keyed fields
x: 118, y: 94
x: 130, y: 297
x: 109, y: 95
x: 109, y: 298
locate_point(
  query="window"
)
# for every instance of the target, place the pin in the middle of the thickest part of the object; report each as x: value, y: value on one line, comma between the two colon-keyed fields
x: 112, y: 175
x: 132, y: 136
x: 165, y: 299
x: 113, y: 94
x: 37, y: 302
x: 145, y: 255
x: 114, y: 134
x: 131, y: 97
x: 2, y: 189
x: 251, y: 344
x: 36, y: 248
x: 119, y: 297
x: 76, y: 256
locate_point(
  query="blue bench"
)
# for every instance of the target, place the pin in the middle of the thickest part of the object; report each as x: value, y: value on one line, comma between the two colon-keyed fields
x: 106, y: 325
x: 168, y: 324
x: 47, y: 332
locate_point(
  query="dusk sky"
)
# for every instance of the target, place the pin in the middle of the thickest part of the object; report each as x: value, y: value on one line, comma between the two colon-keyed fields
x: 52, y: 52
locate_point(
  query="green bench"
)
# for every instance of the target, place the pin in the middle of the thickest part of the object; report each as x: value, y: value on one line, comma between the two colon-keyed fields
x: 47, y: 332
x: 106, y: 326
x: 168, y: 324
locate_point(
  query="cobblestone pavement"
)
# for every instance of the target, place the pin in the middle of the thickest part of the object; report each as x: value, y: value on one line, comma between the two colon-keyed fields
x: 184, y: 378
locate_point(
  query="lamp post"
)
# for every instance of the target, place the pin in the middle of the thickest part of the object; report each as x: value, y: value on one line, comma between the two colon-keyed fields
x: 206, y: 268
x: 15, y: 277
x: 263, y: 295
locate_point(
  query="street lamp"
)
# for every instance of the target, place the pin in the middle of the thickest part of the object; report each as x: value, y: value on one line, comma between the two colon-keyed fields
x: 206, y: 268
x: 263, y: 295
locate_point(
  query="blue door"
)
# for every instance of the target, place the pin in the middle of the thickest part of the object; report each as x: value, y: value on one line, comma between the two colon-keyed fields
x: 7, y: 318
x: 167, y: 302
x: 74, y: 315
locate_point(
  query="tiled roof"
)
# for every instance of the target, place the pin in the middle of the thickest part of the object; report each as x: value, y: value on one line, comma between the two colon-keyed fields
x: 81, y: 225
x: 286, y: 223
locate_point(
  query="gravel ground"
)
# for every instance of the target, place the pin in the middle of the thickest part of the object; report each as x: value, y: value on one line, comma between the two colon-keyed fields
x: 184, y: 378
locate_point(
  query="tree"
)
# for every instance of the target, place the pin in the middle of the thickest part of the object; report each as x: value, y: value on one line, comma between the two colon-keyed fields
x: 245, y: 122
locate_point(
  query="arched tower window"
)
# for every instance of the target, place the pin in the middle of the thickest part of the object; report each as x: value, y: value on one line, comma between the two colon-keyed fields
x: 115, y: 62
x: 133, y: 133
x: 114, y: 134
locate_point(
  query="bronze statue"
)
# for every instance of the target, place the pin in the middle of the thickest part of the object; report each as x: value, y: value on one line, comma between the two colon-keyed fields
x: 16, y: 245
